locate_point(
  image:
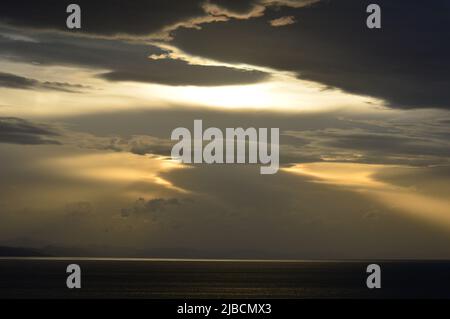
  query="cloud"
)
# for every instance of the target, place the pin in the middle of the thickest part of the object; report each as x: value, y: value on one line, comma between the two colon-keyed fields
x: 117, y: 61
x: 142, y: 145
x: 135, y: 144
x: 19, y: 131
x: 79, y: 209
x: 347, y: 55
x: 393, y: 138
x: 413, y: 137
x: 404, y: 63
x: 286, y: 215
x: 414, y: 145
x: 157, y: 18
x: 150, y: 207
x: 179, y: 73
x: 242, y: 7
x: 283, y: 21
x: 13, y: 81
x: 390, y: 143
x: 17, y: 82
x: 102, y: 17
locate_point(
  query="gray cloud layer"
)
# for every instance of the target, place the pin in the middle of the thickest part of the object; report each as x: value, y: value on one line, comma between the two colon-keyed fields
x: 19, y: 131
x: 304, y: 138
x: 102, y: 17
x: 141, y: 18
x: 125, y: 61
x: 390, y: 139
x: 406, y: 62
x: 12, y: 81
x: 281, y: 216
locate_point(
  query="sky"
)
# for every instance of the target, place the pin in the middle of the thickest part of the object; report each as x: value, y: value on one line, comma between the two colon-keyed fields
x: 364, y: 116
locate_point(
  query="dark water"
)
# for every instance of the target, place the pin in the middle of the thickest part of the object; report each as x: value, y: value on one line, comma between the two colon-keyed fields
x: 219, y: 279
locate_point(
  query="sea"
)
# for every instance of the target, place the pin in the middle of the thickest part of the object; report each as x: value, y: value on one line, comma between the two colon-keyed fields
x: 106, y: 278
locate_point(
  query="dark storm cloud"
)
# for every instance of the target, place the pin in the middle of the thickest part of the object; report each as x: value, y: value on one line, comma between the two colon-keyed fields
x: 137, y: 18
x: 240, y: 6
x: 19, y: 131
x: 17, y: 82
x: 173, y: 72
x: 405, y: 63
x: 105, y: 17
x: 125, y: 61
x: 13, y: 81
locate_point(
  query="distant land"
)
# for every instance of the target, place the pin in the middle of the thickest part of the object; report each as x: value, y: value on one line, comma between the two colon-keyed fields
x: 169, y: 253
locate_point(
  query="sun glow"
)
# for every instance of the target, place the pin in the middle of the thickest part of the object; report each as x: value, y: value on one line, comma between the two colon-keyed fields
x: 118, y: 168
x: 282, y: 94
x: 362, y: 178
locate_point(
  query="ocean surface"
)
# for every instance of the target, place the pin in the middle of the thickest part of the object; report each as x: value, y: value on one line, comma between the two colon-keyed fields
x: 205, y: 279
